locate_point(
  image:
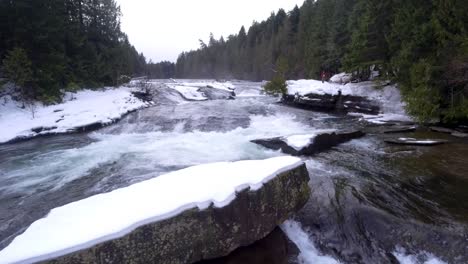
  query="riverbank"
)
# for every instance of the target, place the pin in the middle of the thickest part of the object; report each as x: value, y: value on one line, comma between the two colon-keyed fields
x: 80, y: 110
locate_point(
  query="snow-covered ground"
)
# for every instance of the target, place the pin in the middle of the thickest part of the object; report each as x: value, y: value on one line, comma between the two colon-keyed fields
x: 388, y: 97
x: 78, y: 110
x: 103, y: 217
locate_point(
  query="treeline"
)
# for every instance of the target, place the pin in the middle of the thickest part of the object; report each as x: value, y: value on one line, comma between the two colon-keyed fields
x: 421, y: 44
x: 160, y: 70
x: 50, y: 45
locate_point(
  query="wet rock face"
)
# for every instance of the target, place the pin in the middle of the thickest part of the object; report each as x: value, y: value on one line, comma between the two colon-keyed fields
x: 318, y: 144
x: 273, y: 249
x: 332, y: 103
x: 198, y: 235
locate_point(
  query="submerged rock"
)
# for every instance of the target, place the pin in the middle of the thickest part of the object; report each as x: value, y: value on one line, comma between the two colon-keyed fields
x: 196, y: 235
x: 416, y: 142
x: 313, y: 144
x: 459, y: 132
x: 399, y: 129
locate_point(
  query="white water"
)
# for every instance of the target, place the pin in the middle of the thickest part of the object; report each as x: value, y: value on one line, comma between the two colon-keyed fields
x: 309, y: 253
x: 147, y: 151
x: 420, y: 258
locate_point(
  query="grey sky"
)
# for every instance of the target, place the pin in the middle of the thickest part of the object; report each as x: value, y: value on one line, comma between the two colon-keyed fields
x: 162, y: 29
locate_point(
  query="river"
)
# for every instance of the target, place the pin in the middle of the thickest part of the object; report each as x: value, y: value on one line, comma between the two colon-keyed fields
x: 370, y: 202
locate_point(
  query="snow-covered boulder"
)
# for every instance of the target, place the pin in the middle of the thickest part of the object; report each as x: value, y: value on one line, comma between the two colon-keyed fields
x: 309, y: 144
x: 198, y: 213
x: 341, y: 78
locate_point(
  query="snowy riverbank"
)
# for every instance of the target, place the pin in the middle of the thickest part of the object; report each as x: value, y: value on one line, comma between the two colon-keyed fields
x: 79, y: 110
x: 388, y: 97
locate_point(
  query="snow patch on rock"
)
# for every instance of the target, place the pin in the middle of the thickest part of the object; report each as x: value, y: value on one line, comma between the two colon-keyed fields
x: 341, y: 78
x: 299, y: 142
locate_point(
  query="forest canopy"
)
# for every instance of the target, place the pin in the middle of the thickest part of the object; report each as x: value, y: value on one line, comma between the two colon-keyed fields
x: 66, y: 44
x: 422, y: 45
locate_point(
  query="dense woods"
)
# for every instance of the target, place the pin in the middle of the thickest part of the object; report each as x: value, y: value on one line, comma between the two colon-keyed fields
x: 421, y: 44
x: 64, y: 44
x: 50, y: 46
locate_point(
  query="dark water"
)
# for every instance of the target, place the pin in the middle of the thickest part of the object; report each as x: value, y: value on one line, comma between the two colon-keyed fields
x: 369, y: 200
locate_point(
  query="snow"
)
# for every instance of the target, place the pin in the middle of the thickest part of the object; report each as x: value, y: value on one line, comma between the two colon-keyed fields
x: 308, y: 252
x: 83, y: 108
x: 299, y: 142
x: 104, y: 217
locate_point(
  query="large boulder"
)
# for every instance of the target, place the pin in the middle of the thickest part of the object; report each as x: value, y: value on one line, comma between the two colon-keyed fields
x: 306, y: 145
x: 194, y: 234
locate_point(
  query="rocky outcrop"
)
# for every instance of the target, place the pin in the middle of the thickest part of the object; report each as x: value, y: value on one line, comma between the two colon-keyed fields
x: 332, y: 103
x: 319, y: 143
x: 196, y: 235
x: 145, y: 96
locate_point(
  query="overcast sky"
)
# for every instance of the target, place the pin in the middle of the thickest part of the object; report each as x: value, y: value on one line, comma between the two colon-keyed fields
x: 162, y: 29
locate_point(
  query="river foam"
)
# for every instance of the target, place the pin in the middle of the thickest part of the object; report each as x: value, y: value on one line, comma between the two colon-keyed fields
x: 144, y: 153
